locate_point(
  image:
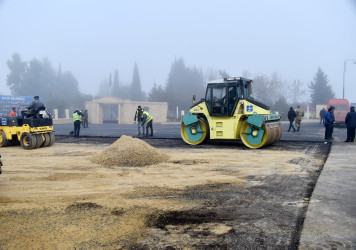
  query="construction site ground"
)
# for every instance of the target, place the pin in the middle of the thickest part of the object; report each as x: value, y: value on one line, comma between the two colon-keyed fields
x: 216, y: 195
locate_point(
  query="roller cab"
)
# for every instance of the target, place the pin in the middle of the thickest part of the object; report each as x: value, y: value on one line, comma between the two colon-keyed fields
x: 229, y: 112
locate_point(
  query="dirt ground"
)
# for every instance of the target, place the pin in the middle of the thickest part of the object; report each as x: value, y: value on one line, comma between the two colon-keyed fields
x: 211, y: 196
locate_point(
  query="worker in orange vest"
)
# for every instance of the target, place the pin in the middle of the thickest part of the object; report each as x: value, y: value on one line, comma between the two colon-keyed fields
x: 13, y: 112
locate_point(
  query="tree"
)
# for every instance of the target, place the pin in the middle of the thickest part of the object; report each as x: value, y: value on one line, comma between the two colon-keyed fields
x: 295, y: 92
x: 57, y: 89
x: 320, y: 90
x: 260, y: 88
x: 15, y: 79
x: 281, y: 105
x: 268, y: 90
x: 136, y: 92
x: 182, y: 84
x: 157, y: 94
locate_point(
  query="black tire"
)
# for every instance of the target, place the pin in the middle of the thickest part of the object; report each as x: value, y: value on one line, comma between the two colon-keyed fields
x: 51, y: 135
x: 47, y: 140
x: 3, y: 140
x: 39, y: 140
x: 28, y: 141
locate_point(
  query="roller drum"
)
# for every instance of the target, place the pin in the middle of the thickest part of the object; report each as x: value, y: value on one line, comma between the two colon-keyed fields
x: 273, y: 133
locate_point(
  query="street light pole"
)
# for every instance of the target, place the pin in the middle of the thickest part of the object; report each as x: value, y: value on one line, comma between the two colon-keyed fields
x: 343, y: 81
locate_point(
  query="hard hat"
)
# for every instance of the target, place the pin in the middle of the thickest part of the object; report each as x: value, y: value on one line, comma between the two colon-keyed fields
x: 139, y: 107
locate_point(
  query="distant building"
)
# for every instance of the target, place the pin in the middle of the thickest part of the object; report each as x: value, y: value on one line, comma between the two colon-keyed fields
x: 122, y: 111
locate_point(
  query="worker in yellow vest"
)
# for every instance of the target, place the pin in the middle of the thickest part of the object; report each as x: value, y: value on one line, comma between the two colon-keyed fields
x: 77, y: 119
x: 148, y: 120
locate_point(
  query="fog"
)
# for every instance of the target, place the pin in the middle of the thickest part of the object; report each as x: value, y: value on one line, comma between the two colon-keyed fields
x: 92, y: 39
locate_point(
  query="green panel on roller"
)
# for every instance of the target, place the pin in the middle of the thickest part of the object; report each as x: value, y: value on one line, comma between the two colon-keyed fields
x: 189, y: 119
x: 194, y: 137
x: 254, y: 139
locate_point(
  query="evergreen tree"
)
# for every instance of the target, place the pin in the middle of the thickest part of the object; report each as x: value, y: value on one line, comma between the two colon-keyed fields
x: 57, y: 89
x: 281, y: 105
x: 182, y: 84
x: 157, y: 94
x: 15, y: 79
x: 136, y: 92
x: 320, y: 90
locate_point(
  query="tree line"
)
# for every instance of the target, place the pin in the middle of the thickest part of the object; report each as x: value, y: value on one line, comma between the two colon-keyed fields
x: 38, y: 77
x: 61, y: 89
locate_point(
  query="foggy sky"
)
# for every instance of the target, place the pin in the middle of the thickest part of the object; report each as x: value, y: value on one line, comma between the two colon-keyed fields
x: 93, y: 38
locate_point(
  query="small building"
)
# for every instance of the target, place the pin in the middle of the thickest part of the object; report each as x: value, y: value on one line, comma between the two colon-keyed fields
x: 122, y: 111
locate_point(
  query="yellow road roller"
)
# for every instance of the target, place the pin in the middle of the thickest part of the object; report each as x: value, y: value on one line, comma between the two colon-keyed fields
x: 29, y: 132
x: 229, y: 112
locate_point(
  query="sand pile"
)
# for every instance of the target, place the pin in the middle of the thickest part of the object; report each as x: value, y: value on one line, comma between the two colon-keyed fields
x: 129, y: 151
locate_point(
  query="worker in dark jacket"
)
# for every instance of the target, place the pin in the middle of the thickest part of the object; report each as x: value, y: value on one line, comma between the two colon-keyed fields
x: 329, y: 123
x: 350, y: 121
x: 322, y: 115
x: 35, y: 107
x: 148, y: 120
x: 77, y: 119
x: 138, y: 116
x: 85, y: 119
x: 291, y: 116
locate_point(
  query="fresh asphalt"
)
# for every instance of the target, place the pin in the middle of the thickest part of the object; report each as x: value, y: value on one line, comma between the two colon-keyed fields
x: 311, y: 130
x: 330, y: 222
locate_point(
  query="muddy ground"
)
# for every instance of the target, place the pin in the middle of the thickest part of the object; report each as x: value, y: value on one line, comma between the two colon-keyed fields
x: 217, y: 195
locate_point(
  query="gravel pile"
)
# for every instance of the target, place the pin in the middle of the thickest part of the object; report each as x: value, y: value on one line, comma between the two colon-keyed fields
x: 128, y: 151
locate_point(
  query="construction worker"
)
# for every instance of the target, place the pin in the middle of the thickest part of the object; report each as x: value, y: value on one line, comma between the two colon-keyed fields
x: 350, y: 121
x: 291, y: 117
x: 13, y: 112
x: 138, y: 116
x: 77, y: 119
x: 85, y: 119
x: 35, y: 107
x: 300, y: 113
x: 148, y: 120
x: 322, y: 114
x: 329, y: 123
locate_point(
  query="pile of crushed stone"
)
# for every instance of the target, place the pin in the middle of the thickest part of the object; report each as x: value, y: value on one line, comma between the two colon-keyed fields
x: 129, y: 151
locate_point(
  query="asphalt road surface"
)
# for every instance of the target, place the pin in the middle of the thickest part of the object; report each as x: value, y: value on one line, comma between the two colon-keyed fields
x: 311, y: 130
